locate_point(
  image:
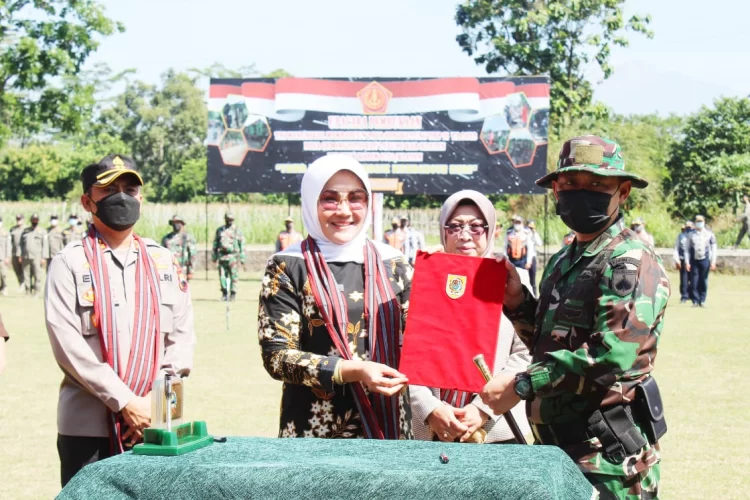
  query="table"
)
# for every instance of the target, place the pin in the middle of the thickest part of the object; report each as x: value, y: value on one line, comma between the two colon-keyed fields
x: 327, y: 468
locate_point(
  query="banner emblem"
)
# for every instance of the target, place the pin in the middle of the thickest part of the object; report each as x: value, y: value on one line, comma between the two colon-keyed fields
x: 374, y: 98
x: 455, y: 286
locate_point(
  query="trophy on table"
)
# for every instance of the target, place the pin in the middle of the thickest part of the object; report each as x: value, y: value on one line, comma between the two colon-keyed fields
x: 169, y: 434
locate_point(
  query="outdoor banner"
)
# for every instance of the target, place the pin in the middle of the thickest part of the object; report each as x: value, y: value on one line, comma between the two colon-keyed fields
x: 414, y: 136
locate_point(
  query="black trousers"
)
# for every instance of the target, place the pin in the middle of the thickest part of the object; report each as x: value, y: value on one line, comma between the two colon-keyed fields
x: 699, y: 280
x: 684, y: 282
x: 743, y: 231
x: 78, y: 451
x: 532, y: 275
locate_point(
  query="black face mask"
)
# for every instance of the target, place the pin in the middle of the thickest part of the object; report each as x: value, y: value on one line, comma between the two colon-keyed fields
x: 118, y: 211
x: 176, y: 227
x: 584, y: 211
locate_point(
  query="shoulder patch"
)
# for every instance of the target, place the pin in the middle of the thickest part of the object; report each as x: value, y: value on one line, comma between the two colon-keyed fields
x: 623, y: 280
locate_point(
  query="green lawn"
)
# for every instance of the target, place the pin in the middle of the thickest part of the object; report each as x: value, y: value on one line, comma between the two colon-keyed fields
x: 701, y: 368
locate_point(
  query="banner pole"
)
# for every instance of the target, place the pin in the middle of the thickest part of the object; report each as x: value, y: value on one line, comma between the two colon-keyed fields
x: 546, y: 203
x: 377, y: 216
x: 208, y: 245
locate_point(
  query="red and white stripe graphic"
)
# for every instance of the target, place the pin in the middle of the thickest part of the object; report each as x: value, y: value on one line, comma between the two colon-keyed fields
x: 465, y: 99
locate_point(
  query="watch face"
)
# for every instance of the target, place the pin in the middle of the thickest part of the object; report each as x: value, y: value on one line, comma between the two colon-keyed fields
x: 523, y: 387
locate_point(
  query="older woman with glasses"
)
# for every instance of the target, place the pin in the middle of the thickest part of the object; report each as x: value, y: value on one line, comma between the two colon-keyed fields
x: 467, y: 222
x: 331, y: 316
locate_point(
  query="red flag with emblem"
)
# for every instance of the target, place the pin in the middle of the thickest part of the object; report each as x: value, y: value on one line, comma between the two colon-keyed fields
x: 455, y: 307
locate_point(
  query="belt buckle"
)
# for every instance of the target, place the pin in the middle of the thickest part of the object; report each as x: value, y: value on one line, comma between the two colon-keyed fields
x: 615, y: 454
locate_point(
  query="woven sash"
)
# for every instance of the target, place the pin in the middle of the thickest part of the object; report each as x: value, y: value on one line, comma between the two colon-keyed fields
x: 380, y: 418
x: 142, y: 366
x: 457, y: 399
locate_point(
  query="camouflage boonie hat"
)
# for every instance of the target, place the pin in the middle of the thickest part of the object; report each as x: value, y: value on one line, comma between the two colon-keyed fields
x: 591, y: 153
x: 638, y: 222
x: 176, y: 218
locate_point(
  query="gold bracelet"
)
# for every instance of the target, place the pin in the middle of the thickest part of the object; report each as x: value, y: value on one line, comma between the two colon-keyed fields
x: 337, y: 374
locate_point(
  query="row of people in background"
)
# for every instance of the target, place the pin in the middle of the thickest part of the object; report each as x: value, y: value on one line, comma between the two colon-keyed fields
x: 403, y: 237
x: 520, y: 247
x: 28, y: 249
x: 695, y: 254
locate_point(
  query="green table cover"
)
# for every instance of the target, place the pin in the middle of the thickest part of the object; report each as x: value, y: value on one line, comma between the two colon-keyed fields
x: 325, y: 468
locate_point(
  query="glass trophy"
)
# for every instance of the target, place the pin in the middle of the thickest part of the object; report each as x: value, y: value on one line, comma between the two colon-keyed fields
x: 170, y: 434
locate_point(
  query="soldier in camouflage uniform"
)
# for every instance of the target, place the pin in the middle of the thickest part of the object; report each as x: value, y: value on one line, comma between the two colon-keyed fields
x: 33, y: 251
x: 182, y: 245
x: 594, y: 330
x: 16, y: 258
x: 74, y: 231
x: 55, y: 239
x: 229, y: 252
x: 5, y: 253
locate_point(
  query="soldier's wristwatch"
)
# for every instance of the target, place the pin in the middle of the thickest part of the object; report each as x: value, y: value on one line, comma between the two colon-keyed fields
x: 523, y: 386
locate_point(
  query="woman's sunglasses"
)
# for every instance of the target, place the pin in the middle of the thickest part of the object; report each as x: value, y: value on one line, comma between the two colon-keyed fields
x: 330, y: 199
x: 475, y: 229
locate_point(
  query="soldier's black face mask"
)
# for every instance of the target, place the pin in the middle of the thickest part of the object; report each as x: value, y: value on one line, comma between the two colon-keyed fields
x: 118, y: 211
x: 177, y: 226
x: 585, y: 212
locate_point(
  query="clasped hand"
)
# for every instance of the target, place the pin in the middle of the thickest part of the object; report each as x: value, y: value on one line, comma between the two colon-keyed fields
x: 137, y: 415
x: 450, y: 423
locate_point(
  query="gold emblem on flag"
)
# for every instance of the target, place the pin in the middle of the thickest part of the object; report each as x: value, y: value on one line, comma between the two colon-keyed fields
x: 455, y: 286
x: 118, y: 163
x: 374, y: 98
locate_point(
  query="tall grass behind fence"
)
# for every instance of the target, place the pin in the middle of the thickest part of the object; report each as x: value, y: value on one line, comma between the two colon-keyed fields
x: 261, y: 223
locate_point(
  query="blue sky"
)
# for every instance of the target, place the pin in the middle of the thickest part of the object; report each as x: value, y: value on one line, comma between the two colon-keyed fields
x: 699, y: 52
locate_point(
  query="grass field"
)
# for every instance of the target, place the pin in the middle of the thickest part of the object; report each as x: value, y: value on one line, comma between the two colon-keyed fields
x: 701, y: 368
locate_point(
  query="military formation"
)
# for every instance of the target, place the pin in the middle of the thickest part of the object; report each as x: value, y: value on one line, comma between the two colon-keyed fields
x: 28, y: 250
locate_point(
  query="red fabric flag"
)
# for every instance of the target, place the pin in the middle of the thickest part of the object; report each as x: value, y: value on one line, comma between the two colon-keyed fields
x: 454, y: 314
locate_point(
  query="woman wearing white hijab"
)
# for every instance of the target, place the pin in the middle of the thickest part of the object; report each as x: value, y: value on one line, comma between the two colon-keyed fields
x: 467, y: 219
x: 331, y: 315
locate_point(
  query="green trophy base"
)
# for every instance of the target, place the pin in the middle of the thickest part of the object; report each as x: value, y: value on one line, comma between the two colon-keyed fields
x: 182, y: 439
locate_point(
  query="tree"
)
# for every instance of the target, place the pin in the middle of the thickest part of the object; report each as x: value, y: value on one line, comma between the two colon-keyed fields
x: 559, y: 38
x: 164, y: 128
x: 42, y: 45
x: 711, y: 161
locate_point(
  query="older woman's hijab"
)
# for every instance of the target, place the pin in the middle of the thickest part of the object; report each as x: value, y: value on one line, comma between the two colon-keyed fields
x: 485, y: 207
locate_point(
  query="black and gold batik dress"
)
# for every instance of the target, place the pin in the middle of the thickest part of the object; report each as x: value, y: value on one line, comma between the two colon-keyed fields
x: 298, y: 350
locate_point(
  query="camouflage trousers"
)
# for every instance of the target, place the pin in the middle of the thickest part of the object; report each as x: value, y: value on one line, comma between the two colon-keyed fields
x: 641, y: 486
x: 32, y: 275
x: 229, y: 270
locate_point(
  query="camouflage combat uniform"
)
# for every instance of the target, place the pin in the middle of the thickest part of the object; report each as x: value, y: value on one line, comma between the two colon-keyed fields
x: 184, y: 248
x: 229, y: 252
x: 593, y: 334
